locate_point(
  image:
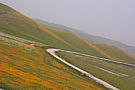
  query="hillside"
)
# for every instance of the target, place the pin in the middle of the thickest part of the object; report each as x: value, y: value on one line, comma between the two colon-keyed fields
x: 96, y: 39
x: 116, y: 53
x: 25, y: 67
x: 107, y: 50
x: 90, y: 38
x: 25, y: 64
x: 79, y: 43
x: 14, y: 23
x: 53, y: 26
x: 117, y: 75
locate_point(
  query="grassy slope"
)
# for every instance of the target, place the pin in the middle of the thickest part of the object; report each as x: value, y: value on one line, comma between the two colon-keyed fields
x: 14, y: 23
x: 116, y: 53
x: 109, y: 51
x: 95, y: 66
x: 24, y: 67
x: 78, y: 42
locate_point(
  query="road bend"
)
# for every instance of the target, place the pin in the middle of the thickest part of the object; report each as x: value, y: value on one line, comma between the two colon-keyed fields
x: 107, y: 85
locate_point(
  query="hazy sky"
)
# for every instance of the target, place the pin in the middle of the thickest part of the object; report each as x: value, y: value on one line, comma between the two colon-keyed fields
x: 114, y: 19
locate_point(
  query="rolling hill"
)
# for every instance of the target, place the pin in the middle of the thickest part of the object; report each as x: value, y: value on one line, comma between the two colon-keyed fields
x: 25, y: 67
x: 101, y: 40
x: 90, y: 38
x: 117, y: 75
x: 110, y: 50
x: 14, y: 23
x: 116, y: 53
x: 25, y: 64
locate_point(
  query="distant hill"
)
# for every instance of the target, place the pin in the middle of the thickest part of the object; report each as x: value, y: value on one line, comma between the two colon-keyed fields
x: 52, y: 25
x: 97, y: 39
x: 25, y: 65
x: 91, y: 38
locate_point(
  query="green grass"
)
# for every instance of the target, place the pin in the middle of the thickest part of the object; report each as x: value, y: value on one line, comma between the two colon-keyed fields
x: 26, y: 67
x: 16, y: 24
x: 116, y: 53
x: 33, y: 35
x: 95, y: 66
x: 56, y: 73
x: 77, y: 42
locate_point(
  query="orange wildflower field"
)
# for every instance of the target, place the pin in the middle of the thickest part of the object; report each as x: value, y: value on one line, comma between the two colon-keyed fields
x: 24, y: 67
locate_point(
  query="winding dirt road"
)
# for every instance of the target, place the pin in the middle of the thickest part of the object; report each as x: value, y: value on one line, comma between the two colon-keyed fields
x: 107, y: 85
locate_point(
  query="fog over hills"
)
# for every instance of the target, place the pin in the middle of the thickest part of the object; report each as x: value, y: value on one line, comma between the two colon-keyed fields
x: 112, y: 19
x: 88, y: 37
x: 37, y: 55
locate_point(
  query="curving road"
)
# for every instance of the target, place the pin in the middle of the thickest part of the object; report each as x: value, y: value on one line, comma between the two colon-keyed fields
x: 107, y: 85
x: 104, y: 59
